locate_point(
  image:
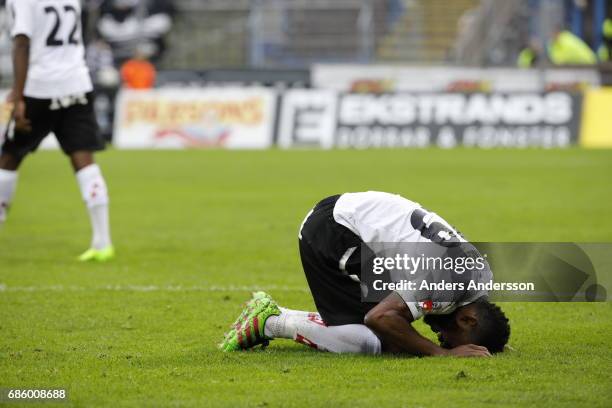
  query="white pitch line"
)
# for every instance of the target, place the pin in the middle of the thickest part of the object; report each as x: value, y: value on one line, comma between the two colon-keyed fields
x: 149, y: 288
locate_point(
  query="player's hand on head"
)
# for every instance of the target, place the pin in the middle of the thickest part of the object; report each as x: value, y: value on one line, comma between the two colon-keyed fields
x: 22, y: 123
x: 469, y: 350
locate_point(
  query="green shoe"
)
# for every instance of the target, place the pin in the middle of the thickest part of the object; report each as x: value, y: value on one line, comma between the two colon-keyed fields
x: 249, y: 306
x: 248, y: 330
x: 257, y: 298
x: 98, y: 255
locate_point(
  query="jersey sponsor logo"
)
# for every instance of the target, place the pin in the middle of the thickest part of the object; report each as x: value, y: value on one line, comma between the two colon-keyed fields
x: 68, y: 101
x: 426, y: 306
x: 429, y: 306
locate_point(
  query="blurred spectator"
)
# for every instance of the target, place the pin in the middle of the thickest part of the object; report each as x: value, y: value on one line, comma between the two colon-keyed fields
x: 101, y: 64
x: 396, y: 9
x: 89, y: 16
x: 125, y: 24
x: 527, y: 58
x: 138, y: 72
x: 106, y: 81
x: 605, y: 51
x: 565, y: 48
x: 530, y: 55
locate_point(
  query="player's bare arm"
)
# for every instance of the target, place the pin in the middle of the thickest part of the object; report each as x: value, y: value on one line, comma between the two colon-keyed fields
x: 21, y: 61
x: 391, y: 320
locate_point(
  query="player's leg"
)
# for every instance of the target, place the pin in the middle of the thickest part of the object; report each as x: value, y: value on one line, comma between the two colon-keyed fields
x: 325, y: 249
x: 17, y: 145
x: 337, y: 297
x: 309, y: 328
x: 263, y: 320
x: 8, y: 182
x: 95, y: 195
x: 78, y: 135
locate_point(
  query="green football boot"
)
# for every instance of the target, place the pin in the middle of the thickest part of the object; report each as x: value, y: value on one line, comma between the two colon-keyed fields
x: 98, y: 255
x: 248, y: 330
x: 257, y: 297
x: 249, y: 306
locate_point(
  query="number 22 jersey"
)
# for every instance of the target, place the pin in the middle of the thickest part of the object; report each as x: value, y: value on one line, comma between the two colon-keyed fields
x: 57, y: 56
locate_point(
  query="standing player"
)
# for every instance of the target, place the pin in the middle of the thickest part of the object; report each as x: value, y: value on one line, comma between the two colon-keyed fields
x: 330, y: 242
x: 52, y: 92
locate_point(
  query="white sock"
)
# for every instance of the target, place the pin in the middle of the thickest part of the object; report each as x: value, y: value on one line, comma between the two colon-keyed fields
x: 308, y: 328
x: 8, y: 183
x: 95, y: 194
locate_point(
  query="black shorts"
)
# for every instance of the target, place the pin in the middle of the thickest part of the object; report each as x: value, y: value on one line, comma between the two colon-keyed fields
x: 74, y: 126
x: 332, y: 266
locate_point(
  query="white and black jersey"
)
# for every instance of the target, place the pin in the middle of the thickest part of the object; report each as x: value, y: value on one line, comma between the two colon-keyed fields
x: 57, y: 55
x: 383, y: 217
x: 330, y: 241
x: 58, y: 91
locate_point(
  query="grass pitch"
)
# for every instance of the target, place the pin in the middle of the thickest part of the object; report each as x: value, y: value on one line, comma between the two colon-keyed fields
x: 195, y: 231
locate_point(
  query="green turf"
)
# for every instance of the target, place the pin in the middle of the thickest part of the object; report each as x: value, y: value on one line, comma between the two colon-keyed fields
x: 195, y: 230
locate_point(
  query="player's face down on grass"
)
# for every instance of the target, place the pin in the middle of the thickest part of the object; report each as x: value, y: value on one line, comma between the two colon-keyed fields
x: 482, y: 323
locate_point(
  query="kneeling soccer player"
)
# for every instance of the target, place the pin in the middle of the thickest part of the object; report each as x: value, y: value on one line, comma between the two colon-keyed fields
x: 329, y: 240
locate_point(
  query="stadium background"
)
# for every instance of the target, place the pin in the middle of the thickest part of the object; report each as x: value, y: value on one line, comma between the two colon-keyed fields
x: 334, y: 84
x: 261, y: 51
